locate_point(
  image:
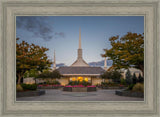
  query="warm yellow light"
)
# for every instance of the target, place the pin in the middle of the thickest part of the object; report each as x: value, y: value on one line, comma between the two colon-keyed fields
x: 86, y: 79
x: 73, y: 79
x: 80, y: 78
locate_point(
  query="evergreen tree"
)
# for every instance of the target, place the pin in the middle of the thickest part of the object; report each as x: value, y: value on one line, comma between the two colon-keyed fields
x: 128, y: 77
x: 116, y: 76
x: 134, y: 79
x: 140, y: 78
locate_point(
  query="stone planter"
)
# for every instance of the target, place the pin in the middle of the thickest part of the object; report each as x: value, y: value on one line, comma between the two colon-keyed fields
x: 67, y: 89
x: 79, y: 89
x: 30, y: 93
x: 129, y: 93
x: 49, y: 87
x: 89, y: 89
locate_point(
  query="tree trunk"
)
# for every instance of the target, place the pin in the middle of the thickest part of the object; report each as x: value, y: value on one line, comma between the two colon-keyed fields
x: 19, y: 78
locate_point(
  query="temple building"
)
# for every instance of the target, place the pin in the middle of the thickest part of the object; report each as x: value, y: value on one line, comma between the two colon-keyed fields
x: 80, y: 70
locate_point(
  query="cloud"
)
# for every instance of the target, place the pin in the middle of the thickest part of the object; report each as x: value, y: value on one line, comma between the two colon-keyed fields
x: 39, y: 26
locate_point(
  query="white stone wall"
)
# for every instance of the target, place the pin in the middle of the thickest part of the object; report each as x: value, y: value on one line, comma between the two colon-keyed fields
x: 96, y: 81
x: 132, y: 70
x: 29, y: 80
x: 63, y: 81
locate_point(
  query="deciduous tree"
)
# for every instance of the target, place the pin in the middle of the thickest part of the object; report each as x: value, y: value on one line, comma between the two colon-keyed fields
x: 127, y: 51
x: 30, y: 56
x: 50, y: 74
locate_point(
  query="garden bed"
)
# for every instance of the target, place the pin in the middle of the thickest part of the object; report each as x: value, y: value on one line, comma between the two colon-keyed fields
x: 129, y: 93
x: 30, y: 93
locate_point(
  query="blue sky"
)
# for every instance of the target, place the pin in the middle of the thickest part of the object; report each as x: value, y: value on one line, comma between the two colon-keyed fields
x: 62, y: 33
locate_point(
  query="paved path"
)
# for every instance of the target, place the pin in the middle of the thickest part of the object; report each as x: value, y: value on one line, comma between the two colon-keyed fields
x: 99, y: 95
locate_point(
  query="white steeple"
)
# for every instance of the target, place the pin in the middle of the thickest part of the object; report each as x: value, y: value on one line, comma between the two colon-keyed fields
x: 80, y: 61
x: 80, y: 39
x: 105, y: 63
x: 54, y: 61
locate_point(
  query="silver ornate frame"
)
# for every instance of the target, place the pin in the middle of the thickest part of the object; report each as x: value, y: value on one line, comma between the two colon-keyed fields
x: 9, y: 9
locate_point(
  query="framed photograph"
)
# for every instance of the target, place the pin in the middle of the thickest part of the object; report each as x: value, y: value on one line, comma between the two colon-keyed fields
x: 79, y: 58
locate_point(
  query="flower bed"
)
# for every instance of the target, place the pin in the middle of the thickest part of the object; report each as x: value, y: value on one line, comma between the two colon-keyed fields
x: 79, y: 88
x: 47, y: 86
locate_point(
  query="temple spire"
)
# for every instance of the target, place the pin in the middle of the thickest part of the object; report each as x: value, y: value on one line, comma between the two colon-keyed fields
x: 54, y: 61
x: 105, y: 63
x: 80, y: 39
x: 80, y: 61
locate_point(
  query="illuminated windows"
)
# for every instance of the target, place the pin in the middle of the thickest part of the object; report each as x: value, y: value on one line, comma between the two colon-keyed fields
x: 80, y: 78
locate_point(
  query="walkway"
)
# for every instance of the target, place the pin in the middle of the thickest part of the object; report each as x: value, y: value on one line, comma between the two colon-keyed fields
x: 59, y: 95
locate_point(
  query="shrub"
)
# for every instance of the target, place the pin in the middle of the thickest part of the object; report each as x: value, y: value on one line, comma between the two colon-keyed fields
x: 130, y: 87
x: 138, y: 87
x: 56, y: 82
x: 123, y: 81
x: 104, y: 84
x: 19, y: 87
x: 29, y: 86
x: 85, y: 83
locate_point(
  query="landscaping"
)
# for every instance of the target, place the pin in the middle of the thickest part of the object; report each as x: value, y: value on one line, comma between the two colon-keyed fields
x: 135, y: 86
x: 110, y: 85
x: 136, y: 91
x: 79, y: 86
x: 27, y: 90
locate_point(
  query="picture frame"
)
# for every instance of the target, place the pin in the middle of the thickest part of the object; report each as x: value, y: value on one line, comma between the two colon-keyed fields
x: 11, y: 9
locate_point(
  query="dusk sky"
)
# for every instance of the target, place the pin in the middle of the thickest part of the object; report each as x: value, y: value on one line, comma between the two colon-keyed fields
x: 62, y: 34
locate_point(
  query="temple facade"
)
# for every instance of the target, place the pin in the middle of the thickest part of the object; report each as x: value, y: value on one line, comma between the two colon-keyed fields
x: 80, y: 70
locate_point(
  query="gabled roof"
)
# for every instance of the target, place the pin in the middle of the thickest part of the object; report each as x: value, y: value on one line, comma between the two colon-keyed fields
x: 80, y: 62
x: 80, y: 70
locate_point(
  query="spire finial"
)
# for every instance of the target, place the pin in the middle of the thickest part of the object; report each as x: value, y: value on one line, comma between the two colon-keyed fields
x: 54, y: 61
x: 105, y: 63
x: 79, y: 38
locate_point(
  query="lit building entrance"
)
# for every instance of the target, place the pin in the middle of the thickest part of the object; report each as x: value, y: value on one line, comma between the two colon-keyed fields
x: 80, y: 78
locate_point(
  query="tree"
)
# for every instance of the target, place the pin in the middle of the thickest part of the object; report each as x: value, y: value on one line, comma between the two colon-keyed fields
x: 140, y: 78
x: 49, y: 74
x: 106, y: 75
x: 127, y: 51
x: 30, y: 56
x: 116, y: 76
x: 134, y: 79
x: 31, y: 73
x: 128, y: 77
